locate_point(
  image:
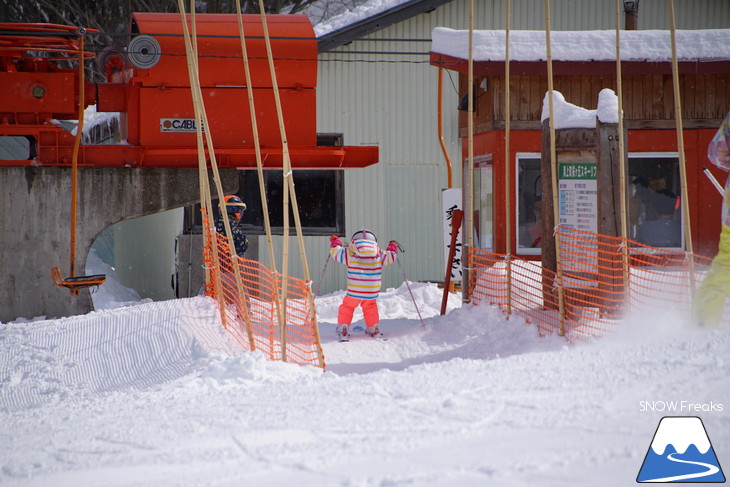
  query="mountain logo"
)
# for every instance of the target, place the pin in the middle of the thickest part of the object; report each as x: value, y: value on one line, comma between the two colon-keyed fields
x: 680, y: 452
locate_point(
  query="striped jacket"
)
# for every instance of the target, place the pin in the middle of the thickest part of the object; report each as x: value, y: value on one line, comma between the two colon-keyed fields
x: 365, y: 262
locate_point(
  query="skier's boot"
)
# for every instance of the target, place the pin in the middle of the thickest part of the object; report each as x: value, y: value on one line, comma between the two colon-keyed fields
x: 343, y: 333
x: 373, y: 331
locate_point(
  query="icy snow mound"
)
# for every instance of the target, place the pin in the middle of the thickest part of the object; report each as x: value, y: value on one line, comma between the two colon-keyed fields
x: 112, y: 350
x: 113, y: 293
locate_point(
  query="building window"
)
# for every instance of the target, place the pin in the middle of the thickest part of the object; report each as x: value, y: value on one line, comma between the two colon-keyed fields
x: 483, y: 202
x: 529, y: 204
x: 655, y: 216
x: 17, y: 148
x: 654, y: 192
x: 320, y: 198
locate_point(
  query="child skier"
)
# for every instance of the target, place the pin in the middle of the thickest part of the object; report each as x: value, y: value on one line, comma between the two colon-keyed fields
x: 364, y: 261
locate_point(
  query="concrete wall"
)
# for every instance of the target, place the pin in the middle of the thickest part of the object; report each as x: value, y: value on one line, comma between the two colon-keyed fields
x: 35, y: 222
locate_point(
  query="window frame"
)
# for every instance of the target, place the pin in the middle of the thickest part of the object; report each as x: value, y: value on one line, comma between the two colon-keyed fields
x: 661, y: 155
x: 307, y: 230
x: 522, y: 250
x: 536, y: 251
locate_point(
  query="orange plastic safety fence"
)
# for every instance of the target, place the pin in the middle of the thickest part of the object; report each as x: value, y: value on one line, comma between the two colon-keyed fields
x: 599, y: 289
x: 252, y: 316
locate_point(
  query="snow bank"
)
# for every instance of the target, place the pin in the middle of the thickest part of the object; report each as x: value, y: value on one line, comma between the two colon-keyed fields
x: 127, y: 348
x: 158, y: 394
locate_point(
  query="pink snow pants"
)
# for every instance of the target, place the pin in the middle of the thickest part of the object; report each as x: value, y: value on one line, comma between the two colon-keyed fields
x: 369, y: 311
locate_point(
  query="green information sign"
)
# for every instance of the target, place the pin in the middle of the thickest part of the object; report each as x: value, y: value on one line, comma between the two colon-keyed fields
x: 577, y: 170
x: 577, y: 197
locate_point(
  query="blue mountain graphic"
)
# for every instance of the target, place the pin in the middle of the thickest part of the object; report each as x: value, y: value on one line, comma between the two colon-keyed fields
x: 667, y: 465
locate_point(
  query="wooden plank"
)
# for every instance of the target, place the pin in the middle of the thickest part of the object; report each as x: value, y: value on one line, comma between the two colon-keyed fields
x: 687, y: 94
x: 722, y: 95
x: 537, y: 95
x: 635, y: 84
x: 520, y: 88
x: 668, y: 113
x: 586, y: 90
x: 548, y: 251
x: 700, y: 96
x: 658, y: 97
x: 574, y: 139
x: 576, y: 93
x: 609, y: 203
x: 647, y: 100
x: 610, y: 277
x: 711, y: 96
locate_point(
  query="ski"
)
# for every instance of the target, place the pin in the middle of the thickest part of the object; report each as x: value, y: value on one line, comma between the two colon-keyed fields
x: 361, y: 333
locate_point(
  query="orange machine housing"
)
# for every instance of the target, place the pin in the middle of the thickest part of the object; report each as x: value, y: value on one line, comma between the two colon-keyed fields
x: 155, y: 102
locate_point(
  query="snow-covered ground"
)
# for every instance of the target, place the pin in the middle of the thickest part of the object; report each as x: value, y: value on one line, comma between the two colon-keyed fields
x: 156, y: 393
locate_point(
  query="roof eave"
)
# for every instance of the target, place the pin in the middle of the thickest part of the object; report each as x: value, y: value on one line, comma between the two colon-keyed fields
x: 568, y: 68
x: 360, y: 29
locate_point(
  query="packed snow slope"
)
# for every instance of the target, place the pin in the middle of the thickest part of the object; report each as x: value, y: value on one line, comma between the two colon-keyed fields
x: 157, y: 394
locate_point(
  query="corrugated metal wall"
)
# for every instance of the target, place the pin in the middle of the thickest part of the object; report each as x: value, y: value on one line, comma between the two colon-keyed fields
x: 375, y: 97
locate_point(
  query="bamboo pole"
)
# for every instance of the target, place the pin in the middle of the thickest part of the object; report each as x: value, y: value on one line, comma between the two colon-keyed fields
x: 242, y: 303
x: 554, y: 182
x: 622, y: 150
x: 466, y: 287
x: 289, y: 188
x: 507, y: 160
x: 256, y: 138
x: 680, y: 148
x: 286, y: 174
x: 202, y: 120
x: 259, y: 160
x: 205, y: 196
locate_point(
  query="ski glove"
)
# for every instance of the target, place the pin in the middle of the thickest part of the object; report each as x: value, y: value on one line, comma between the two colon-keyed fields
x: 335, y: 241
x: 392, y: 246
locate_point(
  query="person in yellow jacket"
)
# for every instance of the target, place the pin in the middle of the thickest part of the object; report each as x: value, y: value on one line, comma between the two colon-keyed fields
x: 709, y: 301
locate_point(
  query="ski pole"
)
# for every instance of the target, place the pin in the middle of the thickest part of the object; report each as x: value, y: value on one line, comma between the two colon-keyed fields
x: 405, y: 279
x: 714, y: 182
x: 329, y: 256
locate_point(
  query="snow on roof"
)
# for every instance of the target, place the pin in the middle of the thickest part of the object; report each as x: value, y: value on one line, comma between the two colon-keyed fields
x: 359, y: 13
x: 599, y: 45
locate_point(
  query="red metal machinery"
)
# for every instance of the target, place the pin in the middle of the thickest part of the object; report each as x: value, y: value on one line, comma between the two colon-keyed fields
x: 149, y: 86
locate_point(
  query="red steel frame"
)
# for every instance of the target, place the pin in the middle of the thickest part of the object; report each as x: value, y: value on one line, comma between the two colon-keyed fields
x: 37, y: 93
